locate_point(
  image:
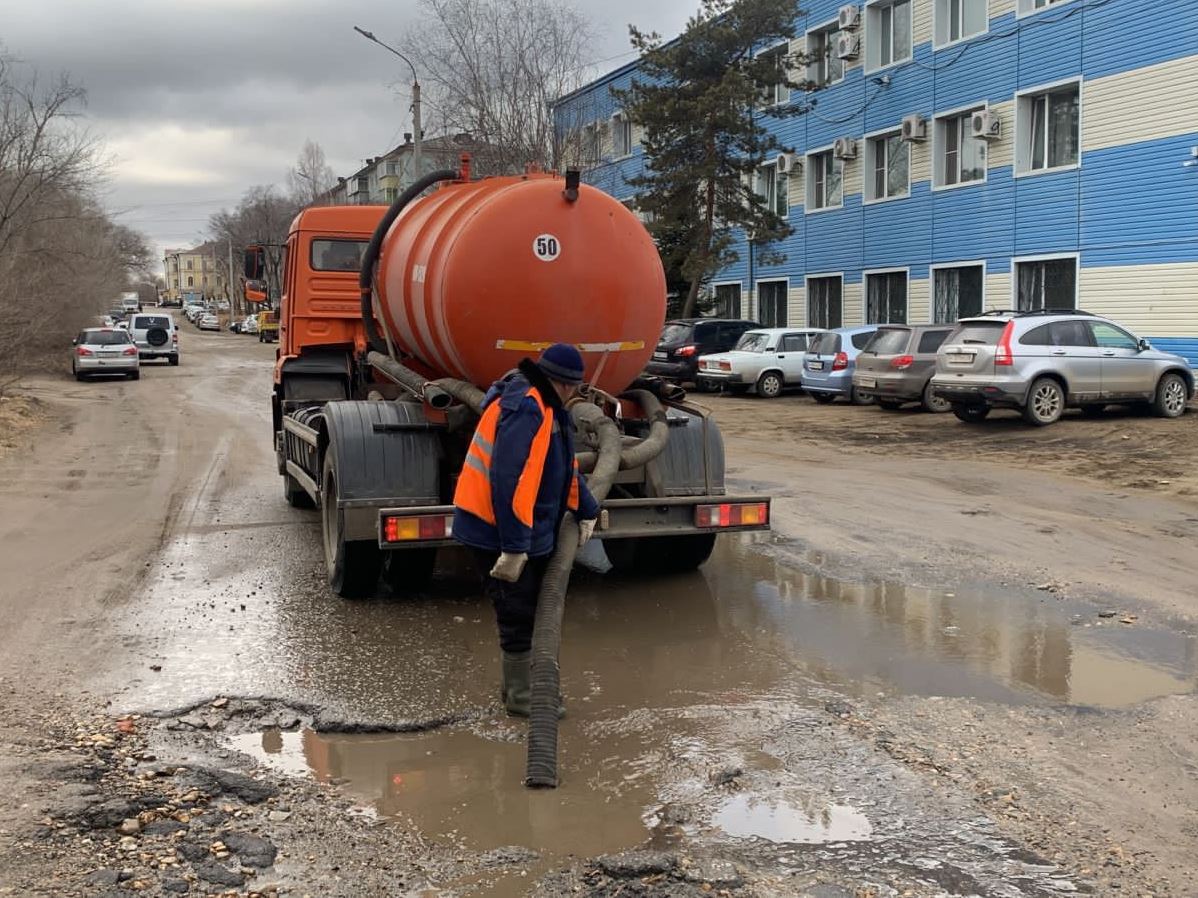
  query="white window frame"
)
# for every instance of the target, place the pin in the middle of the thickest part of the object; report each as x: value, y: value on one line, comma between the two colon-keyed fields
x: 1016, y: 261
x: 869, y: 163
x: 784, y: 46
x: 938, y: 148
x: 941, y: 266
x: 1023, y: 124
x: 867, y: 32
x: 809, y: 181
x: 1028, y: 7
x: 592, y: 137
x: 940, y: 18
x: 771, y: 202
x: 832, y: 25
x: 621, y: 122
x: 825, y: 275
x: 865, y: 275
x: 744, y: 296
x: 757, y: 299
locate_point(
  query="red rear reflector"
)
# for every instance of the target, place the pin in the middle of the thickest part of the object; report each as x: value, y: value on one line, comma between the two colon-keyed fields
x: 1002, y: 355
x: 902, y: 362
x: 732, y: 515
x: 841, y: 361
x: 416, y: 528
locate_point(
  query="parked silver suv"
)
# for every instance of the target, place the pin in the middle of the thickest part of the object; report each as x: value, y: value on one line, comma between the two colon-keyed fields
x: 1044, y: 362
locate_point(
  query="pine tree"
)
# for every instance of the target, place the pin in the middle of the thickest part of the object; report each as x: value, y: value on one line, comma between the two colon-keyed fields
x: 703, y: 101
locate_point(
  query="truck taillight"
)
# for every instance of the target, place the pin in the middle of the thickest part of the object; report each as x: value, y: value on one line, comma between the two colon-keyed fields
x: 732, y: 515
x: 840, y: 362
x: 83, y: 350
x: 416, y: 528
x: 902, y: 362
x: 1003, y: 355
x: 686, y: 351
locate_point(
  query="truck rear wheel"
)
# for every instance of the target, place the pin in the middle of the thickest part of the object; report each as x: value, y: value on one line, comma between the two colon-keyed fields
x: 296, y: 495
x: 353, y: 567
x: 659, y: 554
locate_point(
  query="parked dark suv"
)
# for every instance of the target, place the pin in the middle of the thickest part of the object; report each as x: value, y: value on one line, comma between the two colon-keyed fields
x: 685, y: 339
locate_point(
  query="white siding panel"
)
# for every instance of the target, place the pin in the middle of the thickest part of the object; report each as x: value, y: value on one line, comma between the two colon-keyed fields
x: 1002, y: 151
x: 919, y: 310
x: 852, y: 173
x: 796, y: 307
x: 853, y: 304
x: 921, y: 161
x: 1153, y: 300
x: 998, y: 291
x: 921, y: 21
x: 1001, y: 8
x: 797, y: 187
x: 1145, y: 104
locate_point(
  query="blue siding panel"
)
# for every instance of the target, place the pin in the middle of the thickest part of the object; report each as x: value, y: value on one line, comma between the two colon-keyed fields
x: 1046, y: 213
x: 1050, y: 46
x: 898, y: 232
x: 1186, y: 347
x: 1119, y: 38
x: 975, y: 222
x: 984, y: 68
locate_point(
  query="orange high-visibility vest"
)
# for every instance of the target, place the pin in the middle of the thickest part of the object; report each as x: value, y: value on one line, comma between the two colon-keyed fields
x: 473, y: 493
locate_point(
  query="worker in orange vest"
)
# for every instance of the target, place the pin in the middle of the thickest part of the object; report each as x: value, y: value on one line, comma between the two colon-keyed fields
x: 519, y: 480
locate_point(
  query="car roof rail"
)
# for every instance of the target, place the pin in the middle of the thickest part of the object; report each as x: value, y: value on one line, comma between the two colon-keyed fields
x: 1034, y: 312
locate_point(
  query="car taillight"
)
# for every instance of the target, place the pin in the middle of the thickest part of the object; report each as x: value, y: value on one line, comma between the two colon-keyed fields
x: 1002, y: 355
x: 725, y: 366
x: 686, y: 351
x: 730, y: 515
x: 902, y: 362
x: 83, y: 350
x: 418, y: 527
x: 129, y: 350
x: 841, y: 361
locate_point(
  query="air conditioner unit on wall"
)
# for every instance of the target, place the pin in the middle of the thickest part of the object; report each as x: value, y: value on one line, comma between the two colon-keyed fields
x: 845, y: 148
x: 985, y: 125
x: 785, y: 163
x: 915, y: 127
x: 849, y: 17
x: 848, y: 45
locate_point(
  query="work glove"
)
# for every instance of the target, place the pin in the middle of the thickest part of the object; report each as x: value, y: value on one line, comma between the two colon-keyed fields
x: 510, y: 566
x: 586, y: 529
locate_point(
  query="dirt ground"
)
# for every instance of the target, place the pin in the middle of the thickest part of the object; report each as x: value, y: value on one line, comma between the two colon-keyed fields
x: 963, y: 663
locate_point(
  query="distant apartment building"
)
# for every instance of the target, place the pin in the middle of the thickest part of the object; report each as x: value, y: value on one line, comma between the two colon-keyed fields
x: 384, y: 177
x: 963, y: 155
x: 196, y: 270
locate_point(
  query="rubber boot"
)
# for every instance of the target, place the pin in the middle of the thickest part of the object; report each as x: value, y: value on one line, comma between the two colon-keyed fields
x: 517, y: 685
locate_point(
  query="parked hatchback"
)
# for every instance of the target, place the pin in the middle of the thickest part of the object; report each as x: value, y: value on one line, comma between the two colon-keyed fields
x: 1044, y: 362
x: 830, y: 362
x: 156, y: 336
x: 683, y: 341
x: 897, y: 364
x: 767, y: 361
x: 104, y: 350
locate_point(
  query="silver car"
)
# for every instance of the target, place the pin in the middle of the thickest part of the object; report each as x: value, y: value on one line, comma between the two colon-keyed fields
x: 1044, y: 362
x: 156, y: 336
x: 104, y: 350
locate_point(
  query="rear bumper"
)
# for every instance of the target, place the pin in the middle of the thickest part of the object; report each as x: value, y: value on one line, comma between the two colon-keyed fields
x: 121, y: 365
x: 672, y: 370
x: 888, y: 386
x: 839, y: 383
x: 722, y: 377
x: 979, y: 392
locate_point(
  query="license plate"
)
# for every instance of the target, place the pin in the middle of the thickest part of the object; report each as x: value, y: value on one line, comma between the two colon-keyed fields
x: 815, y: 366
x: 960, y: 358
x: 109, y: 355
x: 660, y: 356
x: 867, y: 382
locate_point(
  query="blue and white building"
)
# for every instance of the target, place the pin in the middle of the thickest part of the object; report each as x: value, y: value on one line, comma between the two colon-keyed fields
x: 969, y: 154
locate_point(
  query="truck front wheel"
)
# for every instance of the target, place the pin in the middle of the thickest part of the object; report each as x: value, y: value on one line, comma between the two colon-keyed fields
x: 353, y: 567
x: 659, y: 554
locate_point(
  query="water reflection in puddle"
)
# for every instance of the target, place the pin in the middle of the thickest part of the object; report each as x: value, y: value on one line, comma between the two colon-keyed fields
x: 747, y: 816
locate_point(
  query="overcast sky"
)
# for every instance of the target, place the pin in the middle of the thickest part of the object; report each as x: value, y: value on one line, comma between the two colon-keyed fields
x: 200, y: 99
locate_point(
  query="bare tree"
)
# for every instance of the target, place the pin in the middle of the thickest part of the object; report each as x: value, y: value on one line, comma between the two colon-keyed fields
x: 311, y: 177
x: 492, y: 67
x: 262, y: 218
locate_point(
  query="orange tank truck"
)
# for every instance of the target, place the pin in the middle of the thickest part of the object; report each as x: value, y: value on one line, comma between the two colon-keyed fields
x: 394, y: 318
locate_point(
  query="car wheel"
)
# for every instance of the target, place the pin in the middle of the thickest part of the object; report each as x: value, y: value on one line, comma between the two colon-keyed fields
x: 934, y: 404
x: 823, y: 398
x: 889, y: 405
x: 1172, y: 395
x: 769, y: 385
x: 1093, y: 411
x: 352, y: 567
x: 1045, y: 403
x: 858, y: 398
x: 970, y: 414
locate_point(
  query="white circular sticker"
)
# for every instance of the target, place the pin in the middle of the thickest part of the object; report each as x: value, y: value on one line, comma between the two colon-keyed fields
x: 546, y: 248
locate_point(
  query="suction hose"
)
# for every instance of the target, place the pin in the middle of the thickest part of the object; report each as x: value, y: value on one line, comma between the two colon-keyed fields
x: 642, y: 451
x: 371, y: 256
x: 541, y: 769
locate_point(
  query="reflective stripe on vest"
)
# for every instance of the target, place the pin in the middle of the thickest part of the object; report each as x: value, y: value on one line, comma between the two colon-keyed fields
x: 572, y: 501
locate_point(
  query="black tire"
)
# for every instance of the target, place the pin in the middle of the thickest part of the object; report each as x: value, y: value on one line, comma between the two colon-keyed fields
x: 890, y: 405
x: 769, y: 385
x: 856, y: 397
x: 823, y: 398
x: 934, y: 404
x: 659, y: 554
x: 352, y: 567
x: 408, y: 571
x: 1045, y: 402
x: 174, y: 359
x: 157, y: 336
x: 80, y: 376
x: 970, y: 414
x: 1093, y: 411
x: 1172, y: 396
x: 296, y: 495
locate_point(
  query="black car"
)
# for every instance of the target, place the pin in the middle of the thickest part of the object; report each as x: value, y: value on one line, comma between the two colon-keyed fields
x: 685, y: 339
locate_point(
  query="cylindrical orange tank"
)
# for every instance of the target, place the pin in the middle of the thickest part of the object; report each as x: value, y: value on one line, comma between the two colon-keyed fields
x: 476, y: 276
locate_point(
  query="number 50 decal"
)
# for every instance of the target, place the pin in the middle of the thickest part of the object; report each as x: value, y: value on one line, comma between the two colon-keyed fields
x: 546, y: 248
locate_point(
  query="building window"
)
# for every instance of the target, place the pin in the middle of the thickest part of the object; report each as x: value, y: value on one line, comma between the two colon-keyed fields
x: 191, y: 282
x: 778, y: 93
x: 621, y: 130
x: 1029, y: 6
x: 886, y: 298
x: 887, y: 33
x: 1048, y: 127
x: 826, y: 67
x: 957, y: 20
x: 727, y: 301
x: 1046, y: 284
x: 773, y: 187
x: 391, y: 168
x: 824, y: 307
x: 824, y: 181
x: 591, y: 144
x: 189, y: 264
x: 959, y: 292
x: 888, y: 159
x: 771, y: 303
x: 960, y: 157
x: 390, y: 194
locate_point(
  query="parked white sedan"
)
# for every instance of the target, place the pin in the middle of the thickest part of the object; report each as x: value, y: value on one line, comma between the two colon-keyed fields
x: 767, y: 360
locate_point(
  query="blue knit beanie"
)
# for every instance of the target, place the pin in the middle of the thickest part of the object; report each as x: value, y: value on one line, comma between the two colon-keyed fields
x: 562, y: 362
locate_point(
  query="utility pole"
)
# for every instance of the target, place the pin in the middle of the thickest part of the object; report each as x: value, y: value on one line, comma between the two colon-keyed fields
x: 417, y: 135
x: 229, y: 280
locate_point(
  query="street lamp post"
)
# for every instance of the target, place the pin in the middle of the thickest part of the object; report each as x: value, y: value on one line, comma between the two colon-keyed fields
x: 417, y: 136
